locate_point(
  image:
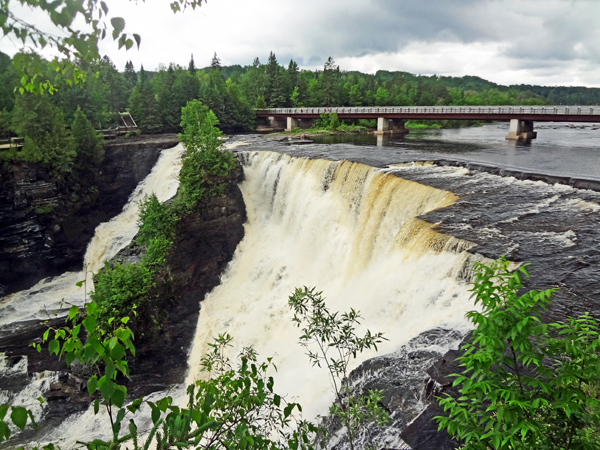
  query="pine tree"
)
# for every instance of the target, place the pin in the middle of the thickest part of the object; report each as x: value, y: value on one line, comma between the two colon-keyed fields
x: 90, y: 151
x: 328, y: 83
x: 130, y: 74
x: 47, y: 139
x: 143, y: 106
x: 216, y: 62
x: 192, y: 66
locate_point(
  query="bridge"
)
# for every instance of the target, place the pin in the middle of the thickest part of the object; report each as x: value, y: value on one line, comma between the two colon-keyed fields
x: 390, y: 119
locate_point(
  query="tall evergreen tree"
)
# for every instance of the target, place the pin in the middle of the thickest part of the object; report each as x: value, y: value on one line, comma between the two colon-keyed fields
x: 192, y: 66
x: 90, y: 151
x: 329, y: 83
x: 215, y: 62
x: 130, y: 74
x: 47, y: 139
x: 143, y: 105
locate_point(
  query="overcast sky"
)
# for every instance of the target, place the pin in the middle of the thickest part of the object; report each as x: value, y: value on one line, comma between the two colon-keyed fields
x: 548, y: 42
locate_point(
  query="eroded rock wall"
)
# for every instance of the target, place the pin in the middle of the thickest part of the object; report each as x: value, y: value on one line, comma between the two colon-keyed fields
x: 45, y: 226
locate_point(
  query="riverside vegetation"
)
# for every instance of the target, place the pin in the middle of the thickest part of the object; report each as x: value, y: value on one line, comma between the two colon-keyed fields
x: 232, y: 92
x: 525, y: 384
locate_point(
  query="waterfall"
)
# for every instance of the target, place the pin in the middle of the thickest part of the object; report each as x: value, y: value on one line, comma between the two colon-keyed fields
x: 353, y: 232
x: 51, y: 294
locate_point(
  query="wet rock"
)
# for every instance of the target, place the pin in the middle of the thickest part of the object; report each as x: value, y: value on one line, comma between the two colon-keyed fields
x: 405, y: 378
x: 45, y: 226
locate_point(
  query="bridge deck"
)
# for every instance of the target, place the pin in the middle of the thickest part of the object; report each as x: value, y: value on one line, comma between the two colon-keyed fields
x: 533, y: 113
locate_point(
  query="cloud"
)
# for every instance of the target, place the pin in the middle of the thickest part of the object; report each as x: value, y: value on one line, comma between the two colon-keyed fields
x: 507, y: 41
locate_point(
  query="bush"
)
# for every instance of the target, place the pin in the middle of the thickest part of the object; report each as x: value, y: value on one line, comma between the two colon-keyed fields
x: 525, y: 384
x: 118, y: 290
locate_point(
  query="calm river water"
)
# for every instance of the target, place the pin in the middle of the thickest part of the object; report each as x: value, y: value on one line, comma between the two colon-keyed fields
x: 561, y: 149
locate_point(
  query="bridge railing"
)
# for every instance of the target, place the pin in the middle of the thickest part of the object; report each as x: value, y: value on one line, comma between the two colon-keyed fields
x: 513, y: 110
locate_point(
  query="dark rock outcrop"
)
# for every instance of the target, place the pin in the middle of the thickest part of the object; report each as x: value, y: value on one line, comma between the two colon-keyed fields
x: 408, y: 383
x: 205, y: 243
x: 45, y: 226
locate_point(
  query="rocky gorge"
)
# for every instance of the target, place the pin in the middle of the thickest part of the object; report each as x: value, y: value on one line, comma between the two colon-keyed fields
x: 45, y: 226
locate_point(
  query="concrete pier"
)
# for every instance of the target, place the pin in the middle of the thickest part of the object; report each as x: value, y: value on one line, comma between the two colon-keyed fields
x: 390, y: 126
x: 521, y: 130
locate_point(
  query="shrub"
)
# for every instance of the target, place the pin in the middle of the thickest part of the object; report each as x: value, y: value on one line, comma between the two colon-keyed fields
x: 525, y: 384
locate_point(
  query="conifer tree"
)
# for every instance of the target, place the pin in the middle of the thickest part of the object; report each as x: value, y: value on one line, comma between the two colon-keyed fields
x: 215, y: 62
x: 328, y: 83
x: 47, y: 139
x: 130, y: 74
x: 143, y: 106
x: 192, y: 65
x: 90, y: 151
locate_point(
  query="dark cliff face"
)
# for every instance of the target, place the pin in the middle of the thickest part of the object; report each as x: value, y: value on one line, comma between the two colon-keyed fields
x: 45, y: 226
x: 205, y: 243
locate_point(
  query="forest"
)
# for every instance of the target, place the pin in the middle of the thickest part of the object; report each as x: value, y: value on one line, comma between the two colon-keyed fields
x: 155, y: 98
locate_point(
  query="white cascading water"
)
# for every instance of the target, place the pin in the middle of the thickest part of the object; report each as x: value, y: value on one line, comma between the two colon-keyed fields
x: 351, y: 231
x: 50, y: 294
x: 348, y: 229
x: 53, y: 294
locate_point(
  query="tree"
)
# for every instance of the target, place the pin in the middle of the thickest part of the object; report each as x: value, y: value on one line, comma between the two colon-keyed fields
x: 90, y: 151
x: 215, y: 63
x: 78, y: 28
x: 335, y: 337
x: 47, y: 139
x: 192, y: 66
x: 130, y: 74
x: 143, y: 106
x: 328, y: 83
x: 202, y: 155
x: 525, y: 384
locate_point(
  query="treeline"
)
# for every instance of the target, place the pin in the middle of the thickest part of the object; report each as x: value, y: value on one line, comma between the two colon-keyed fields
x: 155, y: 98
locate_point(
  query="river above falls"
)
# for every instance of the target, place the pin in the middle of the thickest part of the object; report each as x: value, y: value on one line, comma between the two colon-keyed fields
x: 561, y: 149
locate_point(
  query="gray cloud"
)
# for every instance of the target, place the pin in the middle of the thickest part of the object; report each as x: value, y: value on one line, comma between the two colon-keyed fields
x: 507, y: 40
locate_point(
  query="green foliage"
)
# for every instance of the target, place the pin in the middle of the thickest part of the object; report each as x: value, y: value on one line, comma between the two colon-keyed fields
x: 156, y: 232
x: 328, y: 121
x: 47, y: 140
x: 334, y: 335
x: 103, y: 353
x: 144, y: 107
x: 90, y: 151
x: 525, y: 384
x: 237, y: 409
x: 46, y: 209
x: 204, y: 165
x: 18, y: 416
x: 77, y: 28
x: 119, y: 289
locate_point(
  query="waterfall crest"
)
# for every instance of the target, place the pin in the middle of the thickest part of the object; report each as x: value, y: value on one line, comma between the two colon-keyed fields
x: 353, y: 232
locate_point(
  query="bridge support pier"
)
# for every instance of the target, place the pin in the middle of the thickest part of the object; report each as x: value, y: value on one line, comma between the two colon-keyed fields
x: 292, y: 123
x: 521, y: 130
x: 390, y: 126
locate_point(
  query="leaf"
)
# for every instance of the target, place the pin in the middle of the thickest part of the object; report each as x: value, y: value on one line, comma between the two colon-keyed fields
x: 138, y: 39
x: 3, y: 410
x: 118, y: 24
x: 92, y: 384
x: 73, y: 310
x: 4, y: 431
x: 118, y: 396
x: 96, y: 406
x: 53, y: 346
x: 80, y: 283
x: 18, y: 415
x: 107, y: 389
